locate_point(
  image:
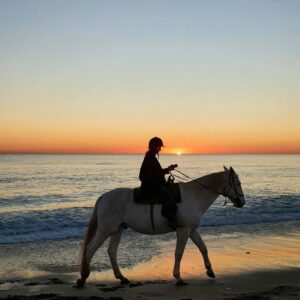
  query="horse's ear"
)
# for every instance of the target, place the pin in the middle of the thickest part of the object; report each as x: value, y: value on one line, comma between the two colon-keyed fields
x: 225, y: 169
x: 231, y: 170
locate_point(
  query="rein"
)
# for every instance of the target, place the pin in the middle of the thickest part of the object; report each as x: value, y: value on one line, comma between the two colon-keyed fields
x: 224, y: 194
x: 203, y: 185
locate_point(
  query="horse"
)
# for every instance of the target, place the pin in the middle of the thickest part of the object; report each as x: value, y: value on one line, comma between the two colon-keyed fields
x: 116, y: 210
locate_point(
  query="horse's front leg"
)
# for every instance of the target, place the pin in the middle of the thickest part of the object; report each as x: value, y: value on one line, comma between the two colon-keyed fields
x: 196, y: 238
x: 182, y: 237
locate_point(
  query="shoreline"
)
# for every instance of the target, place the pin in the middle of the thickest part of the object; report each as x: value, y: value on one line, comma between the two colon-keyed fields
x: 63, y: 255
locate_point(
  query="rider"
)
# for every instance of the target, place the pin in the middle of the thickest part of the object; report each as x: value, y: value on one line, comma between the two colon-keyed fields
x: 154, y: 182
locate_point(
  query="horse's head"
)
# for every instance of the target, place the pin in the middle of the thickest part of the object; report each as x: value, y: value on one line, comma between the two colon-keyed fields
x: 234, y: 189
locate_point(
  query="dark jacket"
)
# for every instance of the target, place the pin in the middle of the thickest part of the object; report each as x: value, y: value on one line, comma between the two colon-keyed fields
x: 151, y: 172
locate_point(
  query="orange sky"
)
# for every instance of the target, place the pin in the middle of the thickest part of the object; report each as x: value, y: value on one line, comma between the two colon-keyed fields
x: 22, y: 141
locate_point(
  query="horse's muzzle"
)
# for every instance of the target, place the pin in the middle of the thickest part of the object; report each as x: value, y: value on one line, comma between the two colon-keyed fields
x: 240, y: 202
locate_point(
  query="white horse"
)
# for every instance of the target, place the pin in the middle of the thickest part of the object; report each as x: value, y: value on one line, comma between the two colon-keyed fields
x: 116, y: 209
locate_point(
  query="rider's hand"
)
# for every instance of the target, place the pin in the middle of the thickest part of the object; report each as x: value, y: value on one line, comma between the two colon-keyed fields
x: 172, y: 167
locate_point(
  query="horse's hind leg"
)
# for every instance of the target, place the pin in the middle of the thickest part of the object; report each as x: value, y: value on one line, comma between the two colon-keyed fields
x: 91, y: 248
x: 196, y: 238
x: 112, y: 252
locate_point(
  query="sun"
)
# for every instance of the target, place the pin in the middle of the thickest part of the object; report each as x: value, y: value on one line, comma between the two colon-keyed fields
x: 178, y: 153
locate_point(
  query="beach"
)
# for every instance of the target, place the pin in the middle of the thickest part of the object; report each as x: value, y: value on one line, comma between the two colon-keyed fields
x: 247, y: 266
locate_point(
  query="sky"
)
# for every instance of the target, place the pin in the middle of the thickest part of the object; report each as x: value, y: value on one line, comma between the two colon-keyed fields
x: 105, y: 76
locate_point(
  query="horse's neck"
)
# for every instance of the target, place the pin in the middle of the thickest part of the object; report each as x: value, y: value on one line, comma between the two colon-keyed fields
x: 212, y: 185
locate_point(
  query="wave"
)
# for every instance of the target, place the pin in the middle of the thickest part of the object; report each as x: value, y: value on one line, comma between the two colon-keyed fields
x: 279, y: 208
x: 16, y: 179
x: 28, y: 226
x: 34, y: 200
x: 43, y: 225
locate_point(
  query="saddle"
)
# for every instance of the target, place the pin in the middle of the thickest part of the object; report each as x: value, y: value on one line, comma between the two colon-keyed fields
x: 141, y: 198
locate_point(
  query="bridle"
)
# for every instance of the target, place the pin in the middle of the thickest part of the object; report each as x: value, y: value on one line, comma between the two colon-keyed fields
x: 231, y: 185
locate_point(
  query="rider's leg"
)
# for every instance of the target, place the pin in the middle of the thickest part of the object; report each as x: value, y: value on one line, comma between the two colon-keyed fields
x: 196, y: 238
x: 169, y: 208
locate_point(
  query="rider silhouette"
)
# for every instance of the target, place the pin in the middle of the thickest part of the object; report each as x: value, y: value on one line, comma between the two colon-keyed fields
x: 152, y: 176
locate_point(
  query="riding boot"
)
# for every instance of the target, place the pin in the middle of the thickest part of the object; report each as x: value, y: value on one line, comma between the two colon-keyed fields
x: 169, y: 211
x: 164, y: 211
x: 172, y: 223
x: 171, y: 216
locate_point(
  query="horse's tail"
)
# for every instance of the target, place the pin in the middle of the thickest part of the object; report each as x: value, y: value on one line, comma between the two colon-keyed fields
x: 91, y: 230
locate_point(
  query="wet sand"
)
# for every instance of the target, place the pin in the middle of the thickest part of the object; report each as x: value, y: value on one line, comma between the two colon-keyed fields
x: 246, y: 268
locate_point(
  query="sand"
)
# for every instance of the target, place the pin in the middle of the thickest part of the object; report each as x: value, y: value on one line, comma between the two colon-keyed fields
x: 260, y: 268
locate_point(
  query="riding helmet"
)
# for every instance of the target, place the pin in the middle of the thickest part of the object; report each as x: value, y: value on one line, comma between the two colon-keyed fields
x: 155, y: 142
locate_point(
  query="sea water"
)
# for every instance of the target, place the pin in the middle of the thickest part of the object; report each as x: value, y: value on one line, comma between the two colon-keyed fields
x: 51, y: 196
x: 47, y: 200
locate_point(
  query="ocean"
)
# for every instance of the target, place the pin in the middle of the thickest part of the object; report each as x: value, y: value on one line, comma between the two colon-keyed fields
x: 47, y: 200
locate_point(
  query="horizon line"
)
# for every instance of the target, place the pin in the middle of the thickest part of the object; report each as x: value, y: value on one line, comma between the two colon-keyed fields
x: 142, y: 153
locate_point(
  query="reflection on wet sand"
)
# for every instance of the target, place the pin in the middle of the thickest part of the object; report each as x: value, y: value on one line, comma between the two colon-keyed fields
x: 263, y: 253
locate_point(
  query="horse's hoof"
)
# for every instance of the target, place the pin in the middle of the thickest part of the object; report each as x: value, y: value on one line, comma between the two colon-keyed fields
x: 125, y: 281
x: 79, y: 283
x: 210, y: 273
x: 181, y: 283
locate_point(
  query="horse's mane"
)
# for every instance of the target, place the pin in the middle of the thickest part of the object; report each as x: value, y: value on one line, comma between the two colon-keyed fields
x: 209, y: 178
